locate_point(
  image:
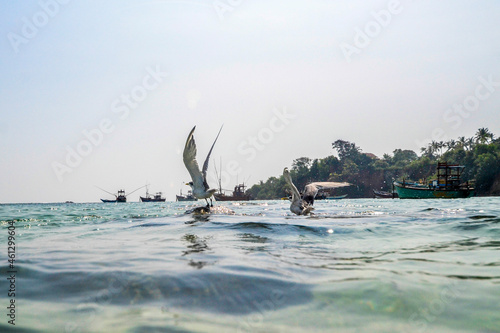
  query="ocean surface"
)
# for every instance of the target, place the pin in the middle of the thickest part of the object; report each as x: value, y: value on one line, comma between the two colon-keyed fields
x: 358, y: 265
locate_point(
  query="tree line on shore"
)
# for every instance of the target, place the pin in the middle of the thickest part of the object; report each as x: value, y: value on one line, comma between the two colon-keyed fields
x: 479, y: 154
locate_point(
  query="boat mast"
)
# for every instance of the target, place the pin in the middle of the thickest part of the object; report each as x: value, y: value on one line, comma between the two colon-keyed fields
x: 219, y: 176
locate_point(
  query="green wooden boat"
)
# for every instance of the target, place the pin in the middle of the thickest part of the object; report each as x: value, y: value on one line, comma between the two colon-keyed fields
x: 447, y: 186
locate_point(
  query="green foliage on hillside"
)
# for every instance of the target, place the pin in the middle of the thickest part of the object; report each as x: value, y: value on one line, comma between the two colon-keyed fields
x: 480, y: 155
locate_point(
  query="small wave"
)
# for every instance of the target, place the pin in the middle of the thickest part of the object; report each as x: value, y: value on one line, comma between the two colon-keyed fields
x: 494, y: 220
x: 251, y: 225
x: 342, y: 216
x: 468, y: 226
x: 150, y: 224
x: 482, y: 217
x: 215, y: 292
x: 283, y: 228
x: 473, y: 277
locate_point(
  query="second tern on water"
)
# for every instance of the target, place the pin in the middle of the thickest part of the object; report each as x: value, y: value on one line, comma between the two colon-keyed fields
x: 302, y: 204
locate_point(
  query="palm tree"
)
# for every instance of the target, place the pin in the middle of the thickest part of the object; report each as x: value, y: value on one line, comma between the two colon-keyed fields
x: 451, y: 144
x: 483, y: 135
x: 462, y: 142
x: 433, y: 147
x: 441, y: 145
x: 470, y: 143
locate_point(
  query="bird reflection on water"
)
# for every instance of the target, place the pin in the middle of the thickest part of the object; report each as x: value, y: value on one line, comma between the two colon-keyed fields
x: 196, y: 245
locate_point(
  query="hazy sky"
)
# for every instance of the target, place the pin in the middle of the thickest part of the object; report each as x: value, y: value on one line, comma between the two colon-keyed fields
x: 104, y: 93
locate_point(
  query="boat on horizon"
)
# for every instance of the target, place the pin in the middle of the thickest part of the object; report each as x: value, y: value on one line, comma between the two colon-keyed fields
x: 238, y: 194
x: 188, y: 197
x: 120, y: 197
x: 446, y: 186
x: 156, y: 198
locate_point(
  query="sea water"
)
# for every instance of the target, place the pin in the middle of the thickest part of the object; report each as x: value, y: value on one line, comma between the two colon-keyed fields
x: 358, y: 265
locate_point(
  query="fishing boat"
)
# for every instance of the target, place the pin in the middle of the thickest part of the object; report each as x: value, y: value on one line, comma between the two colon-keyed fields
x: 237, y: 195
x: 156, y: 198
x: 188, y: 197
x: 120, y: 197
x: 447, y: 185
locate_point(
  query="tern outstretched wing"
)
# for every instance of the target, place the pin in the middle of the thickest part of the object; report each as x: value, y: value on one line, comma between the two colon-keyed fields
x: 313, y: 188
x: 288, y: 179
x: 189, y: 158
x: 205, y: 164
